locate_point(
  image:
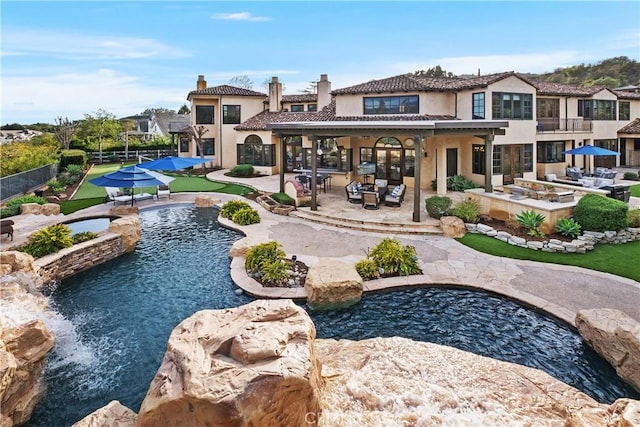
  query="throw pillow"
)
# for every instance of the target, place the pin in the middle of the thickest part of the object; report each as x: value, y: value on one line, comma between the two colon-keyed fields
x: 396, y: 191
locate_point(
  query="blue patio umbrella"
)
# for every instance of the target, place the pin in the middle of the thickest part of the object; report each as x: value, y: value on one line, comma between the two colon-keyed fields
x: 172, y: 163
x: 131, y: 177
x: 591, y: 150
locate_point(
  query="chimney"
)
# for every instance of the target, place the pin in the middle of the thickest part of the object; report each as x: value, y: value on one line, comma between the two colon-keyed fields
x: 324, y: 92
x: 275, y: 95
x: 202, y: 83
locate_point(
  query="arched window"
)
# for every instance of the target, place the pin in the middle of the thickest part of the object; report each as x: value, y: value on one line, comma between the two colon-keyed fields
x: 388, y: 142
x: 254, y: 152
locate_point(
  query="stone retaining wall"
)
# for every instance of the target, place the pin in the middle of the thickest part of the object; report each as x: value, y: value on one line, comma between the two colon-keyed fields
x: 580, y: 245
x: 77, y: 258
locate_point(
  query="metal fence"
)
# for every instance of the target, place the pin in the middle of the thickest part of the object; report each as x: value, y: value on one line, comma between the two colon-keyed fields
x: 25, y: 182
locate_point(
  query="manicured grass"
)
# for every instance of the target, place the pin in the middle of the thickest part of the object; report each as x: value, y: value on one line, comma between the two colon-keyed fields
x: 635, y: 190
x: 70, y: 206
x: 614, y: 259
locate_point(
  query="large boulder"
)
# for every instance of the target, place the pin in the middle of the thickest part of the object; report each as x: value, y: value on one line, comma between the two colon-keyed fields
x: 453, y: 227
x: 252, y: 365
x: 21, y: 387
x: 614, y: 336
x: 130, y: 228
x: 16, y: 261
x: 396, y: 381
x: 332, y: 284
x: 114, y: 414
x: 205, y: 202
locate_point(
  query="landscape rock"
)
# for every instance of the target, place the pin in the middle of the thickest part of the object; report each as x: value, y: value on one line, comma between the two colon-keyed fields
x: 252, y: 365
x: 333, y: 284
x: 50, y: 209
x: 614, y: 336
x: 114, y: 414
x: 205, y: 202
x: 124, y: 210
x: 453, y: 227
x: 130, y: 228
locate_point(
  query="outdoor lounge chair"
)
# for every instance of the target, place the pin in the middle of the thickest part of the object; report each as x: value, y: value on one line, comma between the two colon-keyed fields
x: 395, y: 197
x: 6, y: 227
x: 354, y: 192
x: 163, y: 191
x: 370, y: 199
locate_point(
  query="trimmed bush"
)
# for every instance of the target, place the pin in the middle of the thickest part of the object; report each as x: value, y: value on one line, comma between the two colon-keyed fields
x: 630, y: 176
x: 246, y: 216
x: 232, y: 206
x: 633, y: 218
x: 48, y: 240
x: 72, y: 157
x: 242, y: 170
x: 438, y: 206
x: 468, y: 211
x: 598, y: 213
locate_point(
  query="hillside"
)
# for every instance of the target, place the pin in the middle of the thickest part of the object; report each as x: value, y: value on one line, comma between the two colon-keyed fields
x: 613, y: 72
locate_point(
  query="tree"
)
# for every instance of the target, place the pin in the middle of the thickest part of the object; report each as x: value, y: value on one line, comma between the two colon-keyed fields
x: 64, y: 131
x: 151, y: 111
x: 197, y: 133
x: 241, y: 81
x: 436, y: 71
x: 101, y: 125
x: 184, y: 109
x: 267, y: 81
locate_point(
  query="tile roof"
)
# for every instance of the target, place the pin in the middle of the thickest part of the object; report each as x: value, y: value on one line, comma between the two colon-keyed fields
x: 627, y: 95
x: 225, y: 90
x: 631, y: 128
x: 301, y: 97
x: 411, y: 83
x: 549, y: 88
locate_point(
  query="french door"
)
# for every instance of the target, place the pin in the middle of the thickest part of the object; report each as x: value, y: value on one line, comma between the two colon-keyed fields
x: 389, y: 165
x: 512, y: 160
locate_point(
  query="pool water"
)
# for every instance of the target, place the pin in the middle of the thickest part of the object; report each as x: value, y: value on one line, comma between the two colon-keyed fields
x: 95, y: 225
x: 120, y: 314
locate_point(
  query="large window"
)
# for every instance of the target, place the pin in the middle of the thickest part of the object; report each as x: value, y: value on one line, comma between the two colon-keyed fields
x: 231, y: 114
x: 297, y: 108
x: 512, y: 105
x: 391, y: 105
x: 184, y: 144
x: 204, y: 114
x: 254, y: 152
x: 330, y: 155
x: 366, y: 155
x: 478, y: 105
x: 551, y: 151
x: 625, y: 110
x: 208, y: 145
x: 597, y: 109
x: 312, y: 107
x: 478, y: 159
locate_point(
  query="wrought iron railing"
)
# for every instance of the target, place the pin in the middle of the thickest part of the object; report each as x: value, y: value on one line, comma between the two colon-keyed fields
x: 555, y: 124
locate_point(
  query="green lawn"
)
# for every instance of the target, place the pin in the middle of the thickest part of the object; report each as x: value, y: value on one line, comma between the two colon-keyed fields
x: 614, y: 259
x: 90, y: 195
x: 635, y: 190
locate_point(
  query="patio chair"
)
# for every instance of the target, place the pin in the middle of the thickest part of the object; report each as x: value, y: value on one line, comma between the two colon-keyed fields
x: 163, y: 191
x: 354, y: 192
x: 395, y: 197
x: 370, y: 199
x: 574, y: 173
x: 6, y: 227
x: 381, y: 185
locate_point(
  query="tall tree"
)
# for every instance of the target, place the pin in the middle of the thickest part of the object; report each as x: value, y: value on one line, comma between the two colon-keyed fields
x: 196, y: 133
x: 184, y: 109
x: 64, y: 131
x: 241, y: 81
x: 101, y: 125
x: 151, y: 111
x: 436, y: 71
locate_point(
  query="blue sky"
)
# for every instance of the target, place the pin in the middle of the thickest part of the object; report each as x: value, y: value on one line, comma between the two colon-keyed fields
x: 72, y: 58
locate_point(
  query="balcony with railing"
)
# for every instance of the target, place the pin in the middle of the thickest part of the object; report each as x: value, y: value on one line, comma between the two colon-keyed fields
x: 556, y: 124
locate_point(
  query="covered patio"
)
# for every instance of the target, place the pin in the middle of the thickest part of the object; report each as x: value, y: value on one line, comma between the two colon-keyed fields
x: 421, y: 131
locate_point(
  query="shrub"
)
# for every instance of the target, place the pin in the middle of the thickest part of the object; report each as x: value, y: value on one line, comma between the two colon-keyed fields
x: 367, y: 269
x: 468, y: 211
x: 393, y: 258
x: 276, y: 272
x: 231, y: 207
x: 242, y: 170
x: 630, y: 176
x: 531, y: 220
x: 48, y: 240
x: 568, y: 227
x: 246, y: 216
x: 83, y: 237
x: 456, y: 183
x: 438, y: 206
x: 72, y: 157
x: 598, y: 213
x: 56, y: 186
x: 633, y: 217
x: 264, y: 252
x: 283, y: 199
x: 12, y: 207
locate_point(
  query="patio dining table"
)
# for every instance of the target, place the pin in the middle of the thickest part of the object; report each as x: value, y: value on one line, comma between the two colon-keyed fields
x: 323, y: 180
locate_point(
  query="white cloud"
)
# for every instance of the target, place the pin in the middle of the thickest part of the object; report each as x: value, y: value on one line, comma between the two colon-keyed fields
x: 32, y: 99
x: 240, y: 16
x: 69, y: 45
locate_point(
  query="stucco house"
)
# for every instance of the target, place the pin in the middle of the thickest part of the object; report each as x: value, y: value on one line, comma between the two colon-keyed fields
x: 490, y: 128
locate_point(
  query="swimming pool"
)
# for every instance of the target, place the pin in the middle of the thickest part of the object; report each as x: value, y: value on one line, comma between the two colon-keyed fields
x: 120, y: 314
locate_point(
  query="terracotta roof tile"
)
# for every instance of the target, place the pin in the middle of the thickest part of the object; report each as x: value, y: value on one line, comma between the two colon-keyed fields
x: 261, y: 120
x: 627, y: 95
x: 631, y: 128
x: 225, y: 90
